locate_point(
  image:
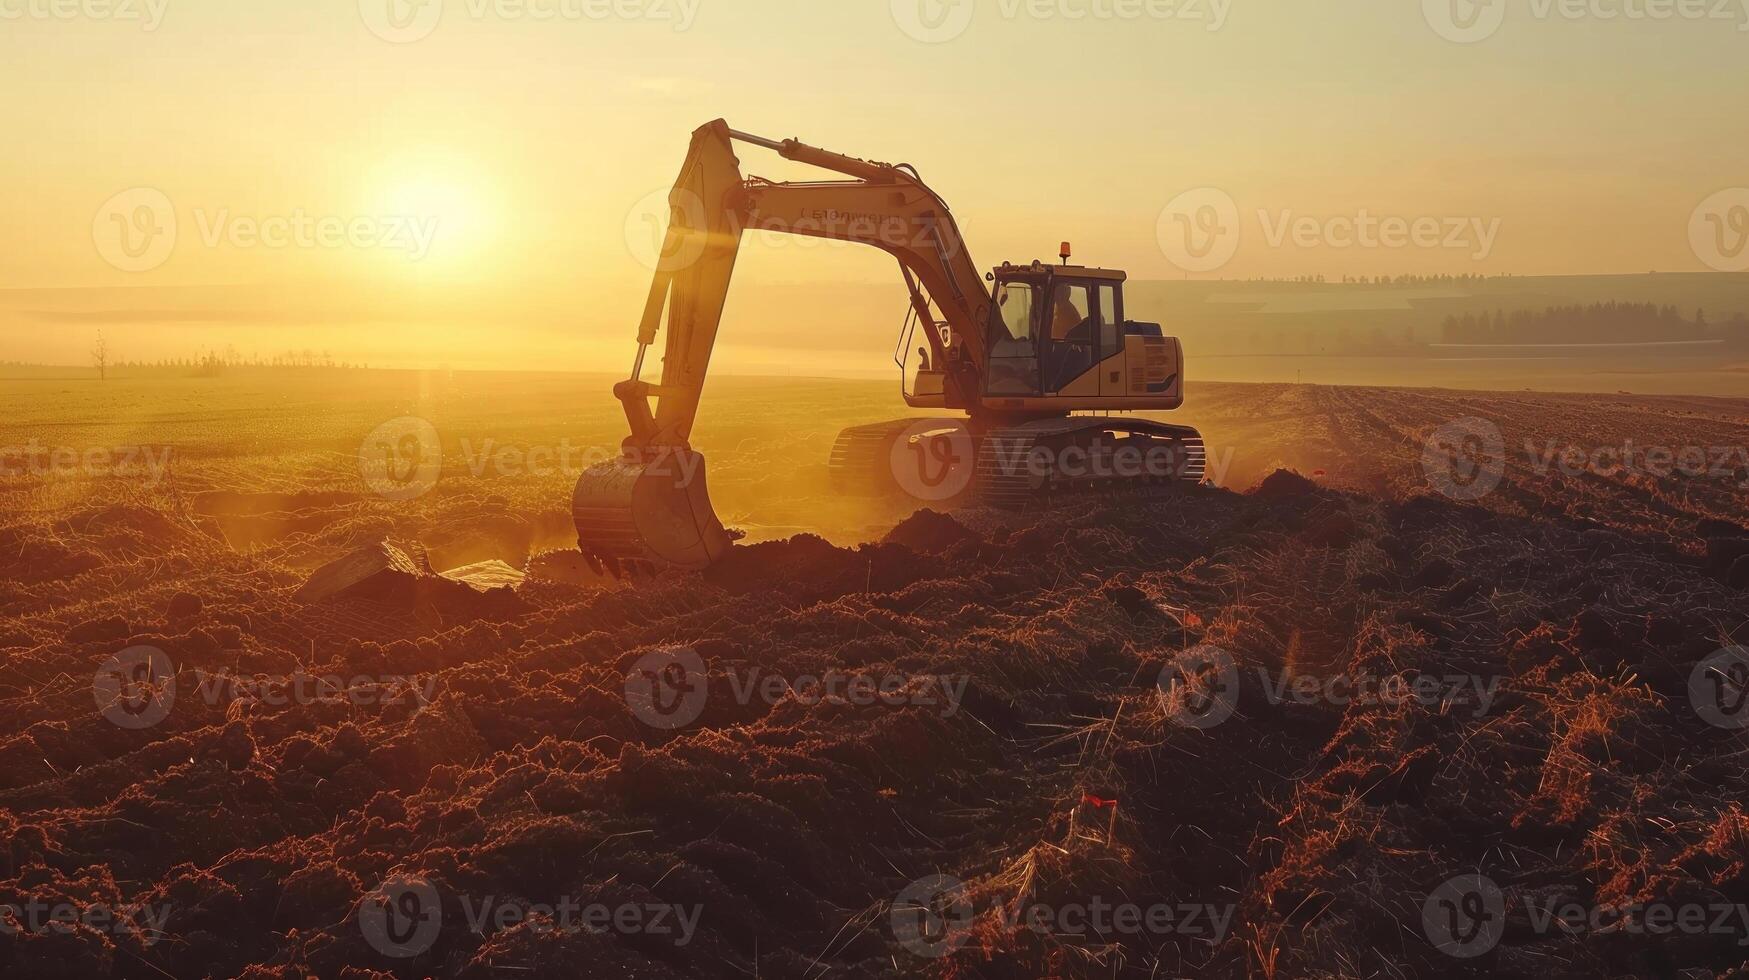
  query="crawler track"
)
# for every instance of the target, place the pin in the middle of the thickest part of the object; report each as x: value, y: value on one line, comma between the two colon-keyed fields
x: 1019, y: 465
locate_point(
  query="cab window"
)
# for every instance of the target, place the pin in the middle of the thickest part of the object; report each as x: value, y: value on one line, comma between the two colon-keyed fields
x: 1070, y: 352
x: 1110, y: 322
x: 1014, y: 341
x: 1014, y: 303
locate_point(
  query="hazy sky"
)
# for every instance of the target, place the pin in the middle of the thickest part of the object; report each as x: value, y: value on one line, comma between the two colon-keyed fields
x: 466, y: 181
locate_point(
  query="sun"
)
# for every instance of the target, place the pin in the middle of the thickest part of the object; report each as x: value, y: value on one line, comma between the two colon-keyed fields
x: 446, y: 199
x: 450, y: 211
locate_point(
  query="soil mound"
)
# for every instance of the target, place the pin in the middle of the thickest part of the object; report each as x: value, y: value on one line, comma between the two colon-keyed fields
x: 1284, y: 485
x: 929, y: 532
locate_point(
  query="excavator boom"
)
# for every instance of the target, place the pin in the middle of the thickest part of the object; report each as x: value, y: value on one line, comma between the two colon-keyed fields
x: 713, y: 205
x: 650, y: 505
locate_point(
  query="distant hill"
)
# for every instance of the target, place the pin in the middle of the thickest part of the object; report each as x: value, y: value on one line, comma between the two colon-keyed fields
x: 1395, y: 318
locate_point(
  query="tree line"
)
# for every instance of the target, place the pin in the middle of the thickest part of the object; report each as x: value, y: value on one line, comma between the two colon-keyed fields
x: 1402, y: 280
x: 1611, y: 322
x: 214, y: 362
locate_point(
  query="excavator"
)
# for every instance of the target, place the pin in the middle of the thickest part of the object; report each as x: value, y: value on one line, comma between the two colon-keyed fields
x: 1038, y: 357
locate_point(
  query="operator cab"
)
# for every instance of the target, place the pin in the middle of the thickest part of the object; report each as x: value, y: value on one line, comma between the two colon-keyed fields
x: 1058, y: 338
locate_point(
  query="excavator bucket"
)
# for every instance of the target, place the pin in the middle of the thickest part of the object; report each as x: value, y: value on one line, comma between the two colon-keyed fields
x: 648, y: 513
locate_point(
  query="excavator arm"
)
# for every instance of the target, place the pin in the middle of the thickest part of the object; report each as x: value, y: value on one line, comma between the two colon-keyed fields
x: 713, y: 205
x: 651, y: 506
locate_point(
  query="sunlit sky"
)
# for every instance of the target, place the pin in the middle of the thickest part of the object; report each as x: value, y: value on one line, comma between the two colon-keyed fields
x: 530, y: 146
